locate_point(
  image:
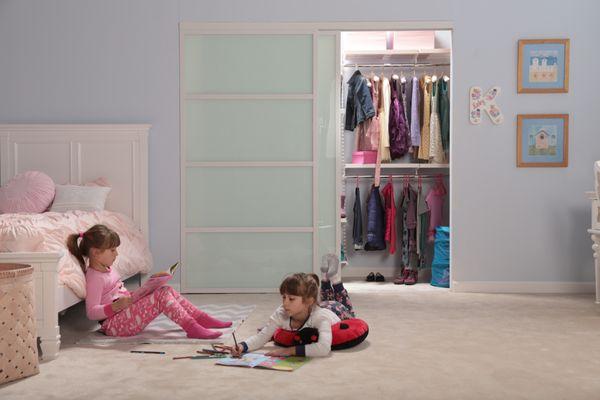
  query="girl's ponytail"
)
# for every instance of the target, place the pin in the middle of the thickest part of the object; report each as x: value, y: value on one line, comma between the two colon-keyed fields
x: 98, y: 236
x: 75, y: 250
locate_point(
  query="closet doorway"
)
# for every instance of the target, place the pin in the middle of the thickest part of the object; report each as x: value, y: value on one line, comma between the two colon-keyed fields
x: 263, y: 158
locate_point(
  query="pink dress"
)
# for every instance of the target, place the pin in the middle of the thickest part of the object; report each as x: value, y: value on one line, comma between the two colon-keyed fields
x: 435, y: 202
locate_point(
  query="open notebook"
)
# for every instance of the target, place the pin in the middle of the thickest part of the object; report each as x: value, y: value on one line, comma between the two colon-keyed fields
x: 257, y: 360
x: 155, y: 281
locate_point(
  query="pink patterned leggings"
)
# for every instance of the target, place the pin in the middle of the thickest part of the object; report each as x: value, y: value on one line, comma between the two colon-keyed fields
x: 137, y: 316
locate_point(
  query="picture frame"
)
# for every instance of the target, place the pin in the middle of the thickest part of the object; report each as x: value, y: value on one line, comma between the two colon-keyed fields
x: 543, y: 66
x: 542, y: 140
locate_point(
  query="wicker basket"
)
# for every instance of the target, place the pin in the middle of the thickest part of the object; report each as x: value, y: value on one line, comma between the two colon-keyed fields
x: 18, y: 336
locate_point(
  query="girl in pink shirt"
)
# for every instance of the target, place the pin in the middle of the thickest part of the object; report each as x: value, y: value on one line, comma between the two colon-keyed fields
x: 108, y: 301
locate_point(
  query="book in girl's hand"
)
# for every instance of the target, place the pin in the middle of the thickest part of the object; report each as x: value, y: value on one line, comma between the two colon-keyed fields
x: 156, y: 280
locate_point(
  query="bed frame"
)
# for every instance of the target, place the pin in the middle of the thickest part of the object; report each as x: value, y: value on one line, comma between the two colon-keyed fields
x: 75, y: 154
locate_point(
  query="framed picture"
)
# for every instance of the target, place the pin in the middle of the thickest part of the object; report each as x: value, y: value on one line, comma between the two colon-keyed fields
x: 542, y: 140
x: 543, y: 66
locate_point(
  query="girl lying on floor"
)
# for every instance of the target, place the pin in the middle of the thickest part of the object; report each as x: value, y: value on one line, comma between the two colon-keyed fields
x: 300, y: 309
x: 108, y: 301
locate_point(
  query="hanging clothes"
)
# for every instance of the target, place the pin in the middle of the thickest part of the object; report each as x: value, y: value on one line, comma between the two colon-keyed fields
x: 444, y: 102
x: 407, y: 205
x: 422, y: 212
x: 397, y: 124
x: 375, y: 221
x: 435, y: 202
x: 425, y: 84
x: 390, y: 215
x: 405, y: 94
x: 415, y: 119
x: 357, y: 225
x: 367, y: 132
x: 384, y: 116
x: 436, y: 151
x: 359, y: 104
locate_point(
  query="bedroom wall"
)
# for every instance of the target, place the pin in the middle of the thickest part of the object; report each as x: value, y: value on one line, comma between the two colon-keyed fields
x: 117, y: 61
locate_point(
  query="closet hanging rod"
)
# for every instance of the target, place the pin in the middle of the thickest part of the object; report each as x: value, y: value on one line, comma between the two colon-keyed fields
x: 425, y: 176
x: 406, y: 65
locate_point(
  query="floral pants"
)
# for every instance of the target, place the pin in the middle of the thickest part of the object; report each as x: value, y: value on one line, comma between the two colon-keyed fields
x: 335, y: 298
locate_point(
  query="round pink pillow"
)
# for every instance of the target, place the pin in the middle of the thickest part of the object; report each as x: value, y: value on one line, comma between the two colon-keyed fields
x: 28, y: 192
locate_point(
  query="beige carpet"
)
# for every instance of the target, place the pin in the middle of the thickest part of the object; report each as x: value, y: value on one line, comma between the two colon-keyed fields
x: 425, y: 343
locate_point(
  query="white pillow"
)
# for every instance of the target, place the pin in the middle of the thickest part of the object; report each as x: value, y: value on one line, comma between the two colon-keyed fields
x: 84, y: 198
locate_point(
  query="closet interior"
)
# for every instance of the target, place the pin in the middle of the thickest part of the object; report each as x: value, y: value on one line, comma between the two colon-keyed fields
x: 395, y: 110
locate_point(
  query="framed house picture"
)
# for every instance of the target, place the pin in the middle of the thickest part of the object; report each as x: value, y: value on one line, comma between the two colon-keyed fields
x: 542, y: 140
x: 543, y: 66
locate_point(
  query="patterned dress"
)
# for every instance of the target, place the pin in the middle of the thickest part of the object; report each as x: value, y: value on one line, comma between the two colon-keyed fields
x: 436, y: 149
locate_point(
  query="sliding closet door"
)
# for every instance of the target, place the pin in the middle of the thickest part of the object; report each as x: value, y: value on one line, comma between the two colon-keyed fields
x: 249, y: 158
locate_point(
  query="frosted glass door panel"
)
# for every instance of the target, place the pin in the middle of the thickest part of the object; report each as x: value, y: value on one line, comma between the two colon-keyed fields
x: 249, y: 197
x: 246, y: 260
x: 249, y: 130
x: 245, y: 64
x: 326, y: 142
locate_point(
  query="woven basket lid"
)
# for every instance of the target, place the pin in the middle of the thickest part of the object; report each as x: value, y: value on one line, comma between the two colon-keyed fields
x: 14, y: 270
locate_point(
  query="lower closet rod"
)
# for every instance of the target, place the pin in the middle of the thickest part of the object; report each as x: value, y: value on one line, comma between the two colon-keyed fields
x: 426, y: 176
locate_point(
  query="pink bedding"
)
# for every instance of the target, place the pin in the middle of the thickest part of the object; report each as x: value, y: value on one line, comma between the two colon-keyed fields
x: 49, y: 231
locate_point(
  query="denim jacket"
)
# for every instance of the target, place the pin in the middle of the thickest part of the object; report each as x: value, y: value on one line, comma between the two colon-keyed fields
x: 359, y: 105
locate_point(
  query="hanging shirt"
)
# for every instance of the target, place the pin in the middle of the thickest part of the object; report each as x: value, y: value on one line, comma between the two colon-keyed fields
x: 390, y: 216
x: 444, y: 102
x: 357, y: 226
x: 405, y: 93
x: 415, y: 119
x: 397, y: 127
x: 384, y: 117
x: 435, y: 201
x: 425, y: 84
x: 436, y: 151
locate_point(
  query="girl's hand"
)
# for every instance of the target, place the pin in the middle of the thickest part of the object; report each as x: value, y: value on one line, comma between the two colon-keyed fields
x: 282, y: 352
x: 121, y: 304
x: 236, y: 351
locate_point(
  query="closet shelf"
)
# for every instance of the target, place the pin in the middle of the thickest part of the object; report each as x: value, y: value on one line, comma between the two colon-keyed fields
x: 398, y: 166
x: 434, y: 56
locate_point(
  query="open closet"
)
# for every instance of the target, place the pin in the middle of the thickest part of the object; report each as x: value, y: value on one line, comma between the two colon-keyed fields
x: 395, y: 111
x: 265, y: 157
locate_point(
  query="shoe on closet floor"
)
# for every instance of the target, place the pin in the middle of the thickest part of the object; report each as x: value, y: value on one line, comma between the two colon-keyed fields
x: 400, y: 279
x: 371, y: 277
x: 413, y: 277
x: 379, y: 277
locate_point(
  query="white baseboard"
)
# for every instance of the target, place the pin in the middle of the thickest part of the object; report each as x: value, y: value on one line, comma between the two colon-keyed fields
x: 523, y: 287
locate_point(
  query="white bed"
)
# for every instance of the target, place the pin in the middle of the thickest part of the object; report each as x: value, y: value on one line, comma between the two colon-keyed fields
x: 75, y: 154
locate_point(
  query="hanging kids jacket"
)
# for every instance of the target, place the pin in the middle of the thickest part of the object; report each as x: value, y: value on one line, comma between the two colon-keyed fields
x: 367, y: 134
x: 359, y: 104
x: 357, y: 226
x: 390, y: 215
x: 375, y: 221
x: 397, y: 124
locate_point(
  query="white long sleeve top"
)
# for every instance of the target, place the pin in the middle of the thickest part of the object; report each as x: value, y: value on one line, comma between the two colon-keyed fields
x: 320, y: 318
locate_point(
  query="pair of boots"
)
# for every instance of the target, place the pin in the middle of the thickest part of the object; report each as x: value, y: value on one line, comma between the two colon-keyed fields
x: 407, y: 277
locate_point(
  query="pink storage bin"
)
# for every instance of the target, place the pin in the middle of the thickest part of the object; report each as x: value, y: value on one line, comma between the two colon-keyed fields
x: 364, y: 157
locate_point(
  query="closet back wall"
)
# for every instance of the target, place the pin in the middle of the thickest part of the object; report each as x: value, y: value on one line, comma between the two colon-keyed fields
x: 115, y: 61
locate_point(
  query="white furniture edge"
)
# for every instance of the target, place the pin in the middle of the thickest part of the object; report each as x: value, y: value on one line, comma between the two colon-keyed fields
x: 595, y: 235
x: 50, y: 297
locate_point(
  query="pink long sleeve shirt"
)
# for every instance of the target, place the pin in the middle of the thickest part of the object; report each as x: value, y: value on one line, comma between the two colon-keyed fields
x: 102, y: 289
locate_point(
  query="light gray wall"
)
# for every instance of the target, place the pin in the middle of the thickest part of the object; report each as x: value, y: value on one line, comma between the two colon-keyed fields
x: 117, y: 61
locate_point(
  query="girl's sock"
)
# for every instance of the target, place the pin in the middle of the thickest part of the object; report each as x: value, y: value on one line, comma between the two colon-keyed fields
x: 196, y: 331
x: 209, y: 322
x: 200, y: 316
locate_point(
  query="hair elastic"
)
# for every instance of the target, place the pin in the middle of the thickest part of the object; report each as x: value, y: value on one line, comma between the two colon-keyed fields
x: 81, y: 235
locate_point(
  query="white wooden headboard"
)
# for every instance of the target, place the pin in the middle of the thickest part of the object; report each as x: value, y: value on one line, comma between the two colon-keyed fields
x: 81, y: 153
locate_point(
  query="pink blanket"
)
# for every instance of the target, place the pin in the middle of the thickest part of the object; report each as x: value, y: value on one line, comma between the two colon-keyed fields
x: 49, y: 232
